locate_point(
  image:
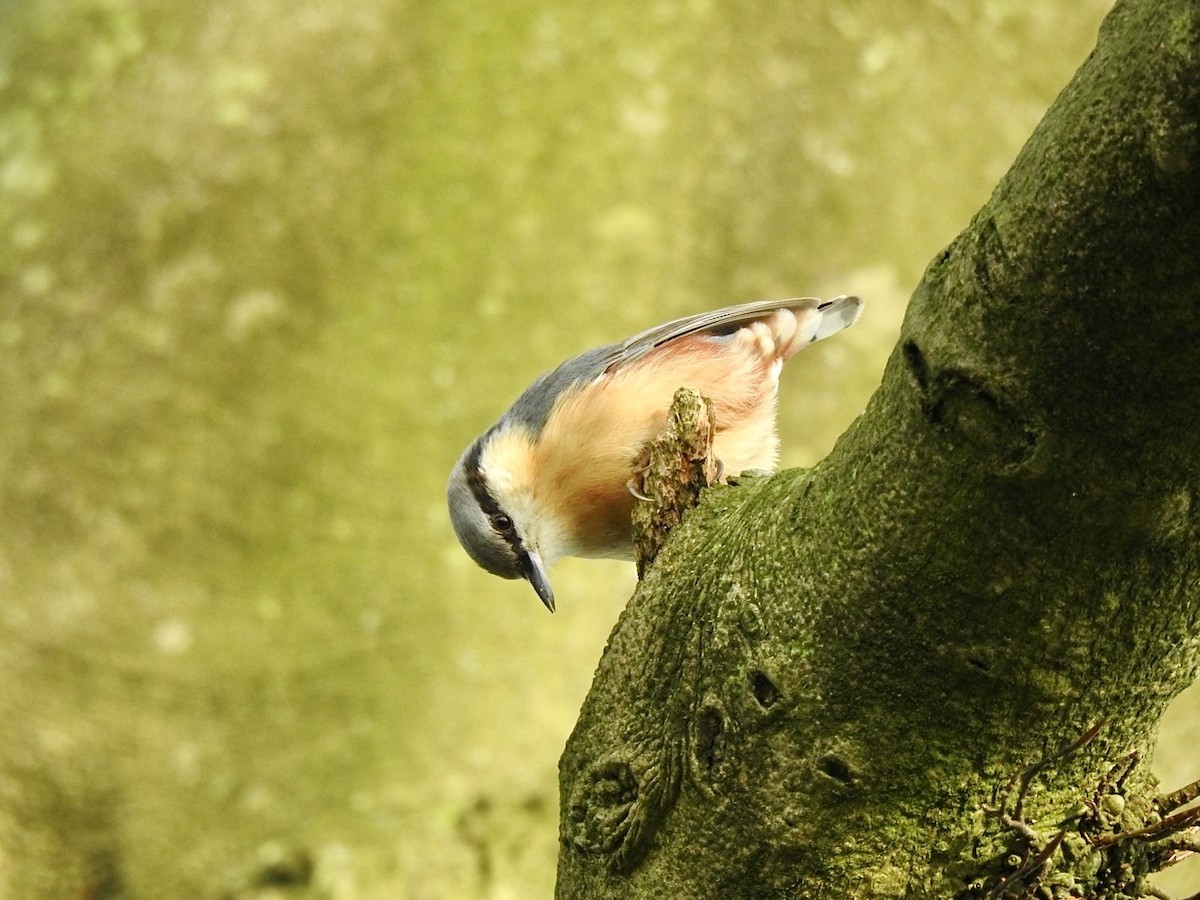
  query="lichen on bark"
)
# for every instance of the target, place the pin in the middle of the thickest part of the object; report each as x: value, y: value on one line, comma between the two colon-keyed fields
x: 671, y: 472
x: 830, y: 678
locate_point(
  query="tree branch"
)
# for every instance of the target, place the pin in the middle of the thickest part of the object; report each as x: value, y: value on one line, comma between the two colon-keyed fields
x: 829, y: 675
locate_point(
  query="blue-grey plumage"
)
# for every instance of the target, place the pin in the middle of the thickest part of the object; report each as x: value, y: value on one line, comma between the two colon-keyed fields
x: 549, y: 479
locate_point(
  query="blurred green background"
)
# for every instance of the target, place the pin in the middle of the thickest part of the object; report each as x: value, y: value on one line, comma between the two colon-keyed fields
x: 266, y: 267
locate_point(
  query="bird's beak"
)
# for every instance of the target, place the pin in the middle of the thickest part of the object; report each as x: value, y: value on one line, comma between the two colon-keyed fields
x: 535, y: 574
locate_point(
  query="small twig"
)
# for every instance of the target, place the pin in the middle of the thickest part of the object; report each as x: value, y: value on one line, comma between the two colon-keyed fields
x: 1020, y: 827
x: 1021, y: 783
x: 1112, y: 784
x: 1175, y: 855
x: 1184, y: 845
x: 1176, y: 799
x: 1129, y: 762
x: 1024, y: 779
x: 1030, y: 866
x: 1164, y: 827
x: 1048, y: 851
x: 1042, y: 764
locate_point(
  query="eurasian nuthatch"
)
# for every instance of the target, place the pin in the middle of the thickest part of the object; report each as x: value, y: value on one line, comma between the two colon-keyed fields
x: 550, y: 478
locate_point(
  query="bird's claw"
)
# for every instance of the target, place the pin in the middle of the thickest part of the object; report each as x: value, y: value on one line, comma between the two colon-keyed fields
x: 632, y: 488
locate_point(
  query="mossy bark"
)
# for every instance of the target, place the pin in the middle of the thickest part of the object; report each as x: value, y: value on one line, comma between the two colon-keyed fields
x: 830, y: 678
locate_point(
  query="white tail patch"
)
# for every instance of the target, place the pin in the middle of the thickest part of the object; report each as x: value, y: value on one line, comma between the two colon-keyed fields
x: 841, y: 312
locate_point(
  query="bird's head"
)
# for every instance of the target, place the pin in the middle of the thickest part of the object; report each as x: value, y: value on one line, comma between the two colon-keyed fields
x: 495, y: 510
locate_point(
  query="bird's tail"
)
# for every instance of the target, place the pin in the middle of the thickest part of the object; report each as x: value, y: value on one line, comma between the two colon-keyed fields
x: 793, y: 329
x: 838, y: 313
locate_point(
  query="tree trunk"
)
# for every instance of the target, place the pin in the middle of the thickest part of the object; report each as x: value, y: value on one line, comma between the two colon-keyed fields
x: 857, y: 680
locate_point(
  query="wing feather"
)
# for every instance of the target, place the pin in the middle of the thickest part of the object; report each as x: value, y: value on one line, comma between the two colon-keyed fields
x: 533, y: 407
x: 719, y: 322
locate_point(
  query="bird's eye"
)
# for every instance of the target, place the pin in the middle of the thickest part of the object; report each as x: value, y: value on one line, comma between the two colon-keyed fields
x: 501, y: 522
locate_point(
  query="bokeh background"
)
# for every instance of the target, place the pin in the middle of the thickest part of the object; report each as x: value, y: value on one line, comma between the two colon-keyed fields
x: 266, y: 267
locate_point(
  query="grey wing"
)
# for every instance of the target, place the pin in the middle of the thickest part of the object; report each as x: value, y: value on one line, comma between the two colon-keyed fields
x: 532, y: 408
x: 728, y: 320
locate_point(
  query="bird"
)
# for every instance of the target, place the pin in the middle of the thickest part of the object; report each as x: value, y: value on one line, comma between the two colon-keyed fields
x: 551, y: 477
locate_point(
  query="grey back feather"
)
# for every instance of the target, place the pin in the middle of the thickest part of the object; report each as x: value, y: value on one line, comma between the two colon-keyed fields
x: 532, y: 408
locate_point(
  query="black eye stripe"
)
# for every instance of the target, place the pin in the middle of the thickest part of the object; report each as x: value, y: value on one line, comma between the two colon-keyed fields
x: 487, y: 503
x: 476, y: 481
